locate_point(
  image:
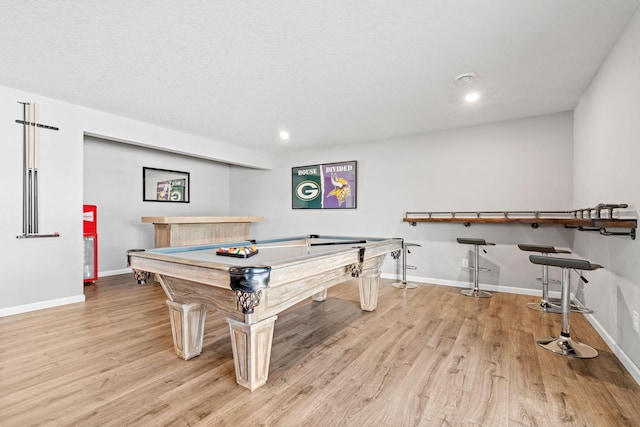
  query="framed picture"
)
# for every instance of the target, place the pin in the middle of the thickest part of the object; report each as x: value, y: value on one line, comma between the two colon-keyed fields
x: 163, y: 185
x: 326, y: 186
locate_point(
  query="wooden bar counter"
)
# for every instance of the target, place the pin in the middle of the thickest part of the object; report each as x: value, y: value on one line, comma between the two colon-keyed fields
x: 198, y: 230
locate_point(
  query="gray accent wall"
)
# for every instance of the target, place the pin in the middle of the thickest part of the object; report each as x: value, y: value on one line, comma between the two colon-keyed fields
x: 521, y: 164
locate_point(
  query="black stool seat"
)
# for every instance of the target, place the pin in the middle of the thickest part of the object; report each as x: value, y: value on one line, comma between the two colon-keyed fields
x: 576, y: 264
x: 563, y: 344
x: 480, y: 242
x: 542, y: 249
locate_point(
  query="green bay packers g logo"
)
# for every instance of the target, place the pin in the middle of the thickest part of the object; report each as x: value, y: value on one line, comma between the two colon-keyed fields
x: 307, y: 190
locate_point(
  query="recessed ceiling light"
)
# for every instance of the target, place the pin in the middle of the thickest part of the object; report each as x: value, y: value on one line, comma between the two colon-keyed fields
x: 464, y: 78
x: 472, y: 97
x: 284, y: 135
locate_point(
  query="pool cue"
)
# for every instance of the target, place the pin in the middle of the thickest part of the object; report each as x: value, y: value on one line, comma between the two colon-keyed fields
x: 346, y: 242
x: 24, y: 168
x: 29, y: 171
x: 300, y: 245
x: 35, y: 168
x: 279, y: 246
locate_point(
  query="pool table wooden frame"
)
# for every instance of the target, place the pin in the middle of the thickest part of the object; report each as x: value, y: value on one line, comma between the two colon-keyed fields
x: 191, y: 284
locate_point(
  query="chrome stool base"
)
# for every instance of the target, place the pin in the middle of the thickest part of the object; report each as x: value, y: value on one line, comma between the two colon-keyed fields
x: 575, y: 308
x: 554, y: 306
x: 404, y: 285
x: 544, y: 307
x: 476, y: 293
x: 563, y: 345
x: 567, y: 347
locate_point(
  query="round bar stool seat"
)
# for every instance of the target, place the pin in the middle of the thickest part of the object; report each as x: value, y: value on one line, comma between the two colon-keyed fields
x: 563, y: 344
x: 475, y: 291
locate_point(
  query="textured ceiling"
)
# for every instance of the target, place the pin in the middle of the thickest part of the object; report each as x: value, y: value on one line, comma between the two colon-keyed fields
x: 329, y: 71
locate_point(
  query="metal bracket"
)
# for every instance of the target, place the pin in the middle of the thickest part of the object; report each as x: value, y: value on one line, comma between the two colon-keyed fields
x: 603, y: 231
x: 631, y: 233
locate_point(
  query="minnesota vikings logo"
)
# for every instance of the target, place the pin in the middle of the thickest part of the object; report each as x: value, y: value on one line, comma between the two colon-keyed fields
x: 341, y: 189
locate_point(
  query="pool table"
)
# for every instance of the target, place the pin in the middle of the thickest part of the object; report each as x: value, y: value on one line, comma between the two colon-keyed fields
x: 251, y: 291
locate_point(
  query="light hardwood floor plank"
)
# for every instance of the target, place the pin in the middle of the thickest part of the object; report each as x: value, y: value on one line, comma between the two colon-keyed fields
x: 425, y: 357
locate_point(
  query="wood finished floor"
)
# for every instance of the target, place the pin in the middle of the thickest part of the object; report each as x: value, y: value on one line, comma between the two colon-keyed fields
x: 425, y: 357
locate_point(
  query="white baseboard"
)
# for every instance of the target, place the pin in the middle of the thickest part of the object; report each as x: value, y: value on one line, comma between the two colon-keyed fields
x: 10, y: 311
x: 484, y: 286
x: 633, y: 369
x: 114, y: 272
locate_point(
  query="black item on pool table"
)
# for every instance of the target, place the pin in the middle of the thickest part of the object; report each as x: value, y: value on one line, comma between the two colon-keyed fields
x: 236, y: 255
x: 248, y: 283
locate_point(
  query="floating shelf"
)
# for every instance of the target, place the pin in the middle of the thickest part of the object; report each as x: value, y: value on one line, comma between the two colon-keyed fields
x: 601, y: 218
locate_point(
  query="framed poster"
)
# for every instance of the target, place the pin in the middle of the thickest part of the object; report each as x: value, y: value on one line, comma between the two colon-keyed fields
x: 163, y: 185
x: 326, y: 186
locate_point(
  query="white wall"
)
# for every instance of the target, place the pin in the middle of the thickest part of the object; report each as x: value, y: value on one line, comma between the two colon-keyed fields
x: 113, y: 182
x: 513, y: 165
x: 39, y: 273
x: 607, y: 151
x: 36, y: 270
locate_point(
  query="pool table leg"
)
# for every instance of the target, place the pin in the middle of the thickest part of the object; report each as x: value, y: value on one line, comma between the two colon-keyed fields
x: 187, y: 327
x: 369, y: 284
x: 251, y: 346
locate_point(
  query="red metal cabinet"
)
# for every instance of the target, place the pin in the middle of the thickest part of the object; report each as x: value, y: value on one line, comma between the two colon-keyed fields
x: 90, y: 236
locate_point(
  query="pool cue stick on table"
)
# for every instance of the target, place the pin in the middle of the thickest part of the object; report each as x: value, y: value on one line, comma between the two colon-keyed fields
x: 349, y: 242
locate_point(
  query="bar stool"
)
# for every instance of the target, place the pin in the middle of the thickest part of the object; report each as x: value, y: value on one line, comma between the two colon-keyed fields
x: 476, y: 292
x: 547, y: 304
x: 404, y: 284
x: 544, y: 304
x: 564, y: 344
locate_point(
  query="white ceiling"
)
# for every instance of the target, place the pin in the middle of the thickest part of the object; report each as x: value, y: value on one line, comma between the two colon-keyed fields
x: 329, y: 71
